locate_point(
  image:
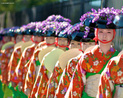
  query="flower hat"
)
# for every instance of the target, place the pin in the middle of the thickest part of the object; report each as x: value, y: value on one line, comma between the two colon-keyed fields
x: 12, y: 31
x: 5, y: 32
x: 79, y: 32
x: 118, y: 20
x: 30, y: 28
x: 58, y: 18
x: 103, y: 18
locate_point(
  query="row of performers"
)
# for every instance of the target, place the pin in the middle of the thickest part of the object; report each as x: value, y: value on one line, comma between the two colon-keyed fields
x: 56, y: 59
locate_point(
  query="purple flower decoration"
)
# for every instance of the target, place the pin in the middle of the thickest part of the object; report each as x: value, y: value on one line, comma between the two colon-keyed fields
x: 19, y: 71
x: 83, y: 71
x: 31, y: 25
x: 50, y: 86
x: 108, y: 74
x: 37, y: 84
x: 33, y: 72
x: 15, y: 78
x: 112, y: 49
x: 100, y: 96
x: 30, y: 75
x: 87, y: 30
x: 65, y: 89
x: 102, y: 14
x: 57, y: 18
x: 23, y: 28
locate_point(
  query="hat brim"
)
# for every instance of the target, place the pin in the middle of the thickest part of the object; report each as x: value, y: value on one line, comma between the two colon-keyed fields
x: 43, y: 52
x: 18, y: 44
x: 7, y: 45
x: 26, y: 44
x: 52, y: 58
x: 67, y: 55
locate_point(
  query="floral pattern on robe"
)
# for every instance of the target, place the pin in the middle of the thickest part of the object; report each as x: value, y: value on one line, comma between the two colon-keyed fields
x: 33, y: 67
x: 113, y: 74
x: 23, y: 64
x: 31, y: 74
x: 66, y: 77
x: 5, y: 57
x: 91, y: 62
x: 13, y: 63
x: 42, y: 71
x: 53, y: 82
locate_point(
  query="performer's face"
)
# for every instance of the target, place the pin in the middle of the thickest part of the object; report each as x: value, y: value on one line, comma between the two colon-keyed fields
x: 37, y: 38
x: 85, y: 45
x: 75, y: 44
x: 62, y: 41
x: 105, y: 34
x: 27, y: 38
x: 50, y: 40
x: 19, y: 38
x: 6, y: 39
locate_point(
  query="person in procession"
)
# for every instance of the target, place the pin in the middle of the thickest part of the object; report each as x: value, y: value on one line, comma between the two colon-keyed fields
x: 26, y: 54
x: 87, y: 72
x: 110, y: 85
x: 56, y: 27
x: 8, y: 49
x: 77, y: 35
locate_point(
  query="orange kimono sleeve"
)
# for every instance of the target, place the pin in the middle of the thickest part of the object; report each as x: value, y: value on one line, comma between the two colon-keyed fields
x: 77, y: 83
x: 4, y: 66
x: 13, y: 63
x: 66, y: 78
x: 31, y: 73
x: 42, y: 84
x: 53, y: 82
x: 37, y: 81
x: 113, y: 74
x: 23, y: 65
x: 29, y: 81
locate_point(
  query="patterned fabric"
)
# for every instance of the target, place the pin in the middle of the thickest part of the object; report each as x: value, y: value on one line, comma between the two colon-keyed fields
x: 33, y: 65
x: 5, y: 57
x: 66, y: 77
x: 31, y: 74
x: 42, y: 84
x: 113, y: 74
x: 13, y: 63
x: 42, y: 73
x: 23, y: 64
x: 53, y: 82
x: 91, y: 62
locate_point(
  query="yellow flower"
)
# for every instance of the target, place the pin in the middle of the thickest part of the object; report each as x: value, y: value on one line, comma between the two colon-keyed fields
x: 115, y: 68
x: 88, y: 66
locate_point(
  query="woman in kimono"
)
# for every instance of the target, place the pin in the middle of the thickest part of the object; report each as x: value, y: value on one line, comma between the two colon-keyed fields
x: 42, y: 69
x: 2, y: 42
x: 34, y: 65
x: 86, y: 75
x: 27, y: 54
x: 15, y: 55
x: 68, y: 71
x: 19, y: 33
x: 62, y: 43
x: 7, y: 53
x: 111, y: 81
